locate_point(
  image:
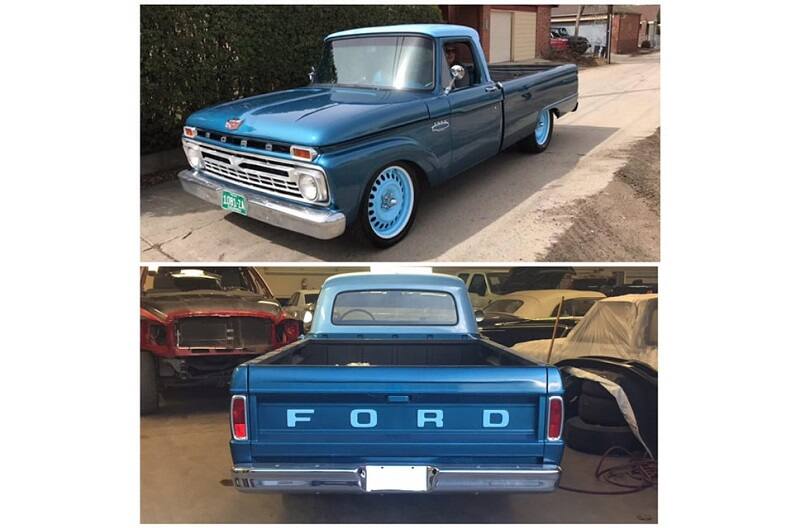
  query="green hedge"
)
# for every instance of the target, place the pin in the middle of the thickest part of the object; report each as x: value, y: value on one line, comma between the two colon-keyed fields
x: 195, y: 56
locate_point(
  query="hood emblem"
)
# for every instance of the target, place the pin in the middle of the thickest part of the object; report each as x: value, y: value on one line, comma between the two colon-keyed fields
x: 233, y: 124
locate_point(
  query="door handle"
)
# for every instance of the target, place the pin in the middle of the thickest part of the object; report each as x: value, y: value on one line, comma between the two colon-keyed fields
x: 526, y: 95
x: 490, y: 89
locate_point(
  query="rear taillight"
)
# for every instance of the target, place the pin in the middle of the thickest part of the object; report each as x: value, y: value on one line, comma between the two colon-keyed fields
x: 239, y: 417
x: 555, y: 417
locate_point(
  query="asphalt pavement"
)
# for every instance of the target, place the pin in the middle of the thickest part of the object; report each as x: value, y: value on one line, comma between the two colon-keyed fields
x: 497, y: 211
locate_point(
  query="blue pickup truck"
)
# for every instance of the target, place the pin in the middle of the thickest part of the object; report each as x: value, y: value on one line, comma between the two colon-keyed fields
x: 390, y: 111
x: 393, y: 390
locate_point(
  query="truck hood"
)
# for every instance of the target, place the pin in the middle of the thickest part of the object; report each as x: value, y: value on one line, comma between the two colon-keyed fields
x: 315, y: 116
x: 167, y: 305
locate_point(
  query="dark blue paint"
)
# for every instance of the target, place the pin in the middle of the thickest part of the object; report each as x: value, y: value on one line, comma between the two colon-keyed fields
x: 359, y: 131
x: 396, y: 393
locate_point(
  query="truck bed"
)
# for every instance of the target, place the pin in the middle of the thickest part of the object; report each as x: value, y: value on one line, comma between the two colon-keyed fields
x: 505, y: 72
x: 376, y: 352
x: 529, y: 89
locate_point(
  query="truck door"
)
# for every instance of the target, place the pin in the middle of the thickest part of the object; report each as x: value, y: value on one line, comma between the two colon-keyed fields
x: 476, y: 110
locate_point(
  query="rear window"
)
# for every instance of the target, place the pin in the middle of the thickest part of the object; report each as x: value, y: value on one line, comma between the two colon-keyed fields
x: 394, y: 307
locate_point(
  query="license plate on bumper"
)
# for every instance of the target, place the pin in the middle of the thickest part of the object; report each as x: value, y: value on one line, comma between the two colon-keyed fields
x: 396, y: 478
x: 234, y: 202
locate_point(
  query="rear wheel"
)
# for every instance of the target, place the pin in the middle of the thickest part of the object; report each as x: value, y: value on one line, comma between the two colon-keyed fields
x: 390, y: 205
x: 148, y: 384
x: 542, y: 133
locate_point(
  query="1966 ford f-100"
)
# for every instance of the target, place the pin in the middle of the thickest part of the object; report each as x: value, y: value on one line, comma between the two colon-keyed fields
x: 389, y: 111
x: 394, y: 391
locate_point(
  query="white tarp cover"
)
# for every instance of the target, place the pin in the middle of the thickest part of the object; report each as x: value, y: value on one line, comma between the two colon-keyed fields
x: 616, y: 391
x: 624, y: 327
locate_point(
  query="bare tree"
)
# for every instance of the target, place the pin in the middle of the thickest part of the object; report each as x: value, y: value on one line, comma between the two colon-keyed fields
x: 578, y: 19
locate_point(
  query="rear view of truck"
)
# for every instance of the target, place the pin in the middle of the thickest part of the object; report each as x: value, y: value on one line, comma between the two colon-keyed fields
x: 375, y: 401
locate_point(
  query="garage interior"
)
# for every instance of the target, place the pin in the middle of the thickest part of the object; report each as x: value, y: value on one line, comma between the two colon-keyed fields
x: 185, y: 459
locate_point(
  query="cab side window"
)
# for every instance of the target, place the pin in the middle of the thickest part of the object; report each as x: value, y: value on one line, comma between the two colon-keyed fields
x: 461, y: 53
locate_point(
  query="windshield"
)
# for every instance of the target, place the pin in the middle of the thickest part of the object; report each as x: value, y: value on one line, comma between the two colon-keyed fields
x: 394, y: 307
x: 390, y: 62
x: 172, y: 279
x: 508, y: 306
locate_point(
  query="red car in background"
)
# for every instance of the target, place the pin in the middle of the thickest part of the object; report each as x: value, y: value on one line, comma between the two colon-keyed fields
x: 198, y: 324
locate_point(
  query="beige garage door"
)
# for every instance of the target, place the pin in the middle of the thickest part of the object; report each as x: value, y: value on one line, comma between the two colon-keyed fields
x: 523, y: 36
x: 500, y: 36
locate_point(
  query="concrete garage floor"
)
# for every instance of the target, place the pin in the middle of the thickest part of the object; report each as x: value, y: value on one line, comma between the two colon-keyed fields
x: 184, y: 478
x: 512, y: 197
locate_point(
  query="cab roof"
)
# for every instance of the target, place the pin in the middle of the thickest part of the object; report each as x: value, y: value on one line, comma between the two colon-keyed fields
x: 393, y: 280
x: 431, y: 30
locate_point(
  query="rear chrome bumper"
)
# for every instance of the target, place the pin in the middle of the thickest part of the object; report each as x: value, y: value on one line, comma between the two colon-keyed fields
x: 318, y: 223
x: 322, y: 478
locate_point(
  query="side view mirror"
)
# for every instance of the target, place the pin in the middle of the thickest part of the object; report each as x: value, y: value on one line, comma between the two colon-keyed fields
x: 456, y: 74
x: 307, y: 317
x: 479, y: 316
x: 312, y: 75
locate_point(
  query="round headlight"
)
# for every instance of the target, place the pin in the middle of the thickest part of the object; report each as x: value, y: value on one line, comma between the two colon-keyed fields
x: 308, y: 186
x: 194, y: 157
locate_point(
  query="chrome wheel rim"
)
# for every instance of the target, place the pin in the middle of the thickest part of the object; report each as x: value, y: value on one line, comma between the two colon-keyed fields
x: 390, y: 202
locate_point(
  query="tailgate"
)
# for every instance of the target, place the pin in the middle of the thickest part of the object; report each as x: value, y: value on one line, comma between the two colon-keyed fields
x: 376, y: 413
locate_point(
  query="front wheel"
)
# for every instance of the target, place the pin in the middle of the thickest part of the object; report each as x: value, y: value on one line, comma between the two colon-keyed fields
x: 540, y: 139
x: 390, y: 205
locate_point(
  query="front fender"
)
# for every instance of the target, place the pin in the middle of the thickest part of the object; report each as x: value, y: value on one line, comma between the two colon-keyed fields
x: 350, y: 169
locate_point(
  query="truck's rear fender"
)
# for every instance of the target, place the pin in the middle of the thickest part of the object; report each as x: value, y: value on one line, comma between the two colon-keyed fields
x: 350, y: 168
x: 555, y: 89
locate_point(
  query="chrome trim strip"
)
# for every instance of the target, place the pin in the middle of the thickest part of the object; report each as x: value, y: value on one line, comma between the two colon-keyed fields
x: 284, y: 186
x: 330, y: 478
x: 319, y: 223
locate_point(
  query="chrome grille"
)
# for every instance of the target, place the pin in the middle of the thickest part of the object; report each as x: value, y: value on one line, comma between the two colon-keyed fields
x: 262, y: 173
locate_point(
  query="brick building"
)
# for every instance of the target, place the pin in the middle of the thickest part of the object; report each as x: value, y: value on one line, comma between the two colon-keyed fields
x: 631, y: 25
x: 508, y: 33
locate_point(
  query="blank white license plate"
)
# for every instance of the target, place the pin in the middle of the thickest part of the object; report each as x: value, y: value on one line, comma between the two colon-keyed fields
x: 397, y: 478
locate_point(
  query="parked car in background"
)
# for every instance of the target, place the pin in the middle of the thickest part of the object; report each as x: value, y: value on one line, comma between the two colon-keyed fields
x: 562, y: 40
x: 624, y: 327
x: 394, y: 391
x: 197, y: 324
x: 531, y: 315
x: 300, y: 302
x: 385, y: 117
x: 536, y: 278
x: 482, y: 286
x: 558, y: 42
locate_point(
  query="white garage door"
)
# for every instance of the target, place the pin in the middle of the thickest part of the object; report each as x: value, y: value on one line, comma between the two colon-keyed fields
x: 499, y: 36
x: 524, y: 36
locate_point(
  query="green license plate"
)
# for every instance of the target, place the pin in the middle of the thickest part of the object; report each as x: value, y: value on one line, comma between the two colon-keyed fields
x: 234, y: 202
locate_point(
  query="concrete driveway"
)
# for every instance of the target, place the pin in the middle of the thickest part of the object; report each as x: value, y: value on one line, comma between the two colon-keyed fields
x: 497, y: 211
x: 185, y: 478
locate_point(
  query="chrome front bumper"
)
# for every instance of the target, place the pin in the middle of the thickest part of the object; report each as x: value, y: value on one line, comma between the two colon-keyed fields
x: 323, y: 478
x: 318, y: 223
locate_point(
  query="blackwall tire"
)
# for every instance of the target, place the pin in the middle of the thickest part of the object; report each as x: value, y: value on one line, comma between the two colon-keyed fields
x: 600, y: 411
x: 594, y: 389
x: 148, y: 384
x: 597, y: 439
